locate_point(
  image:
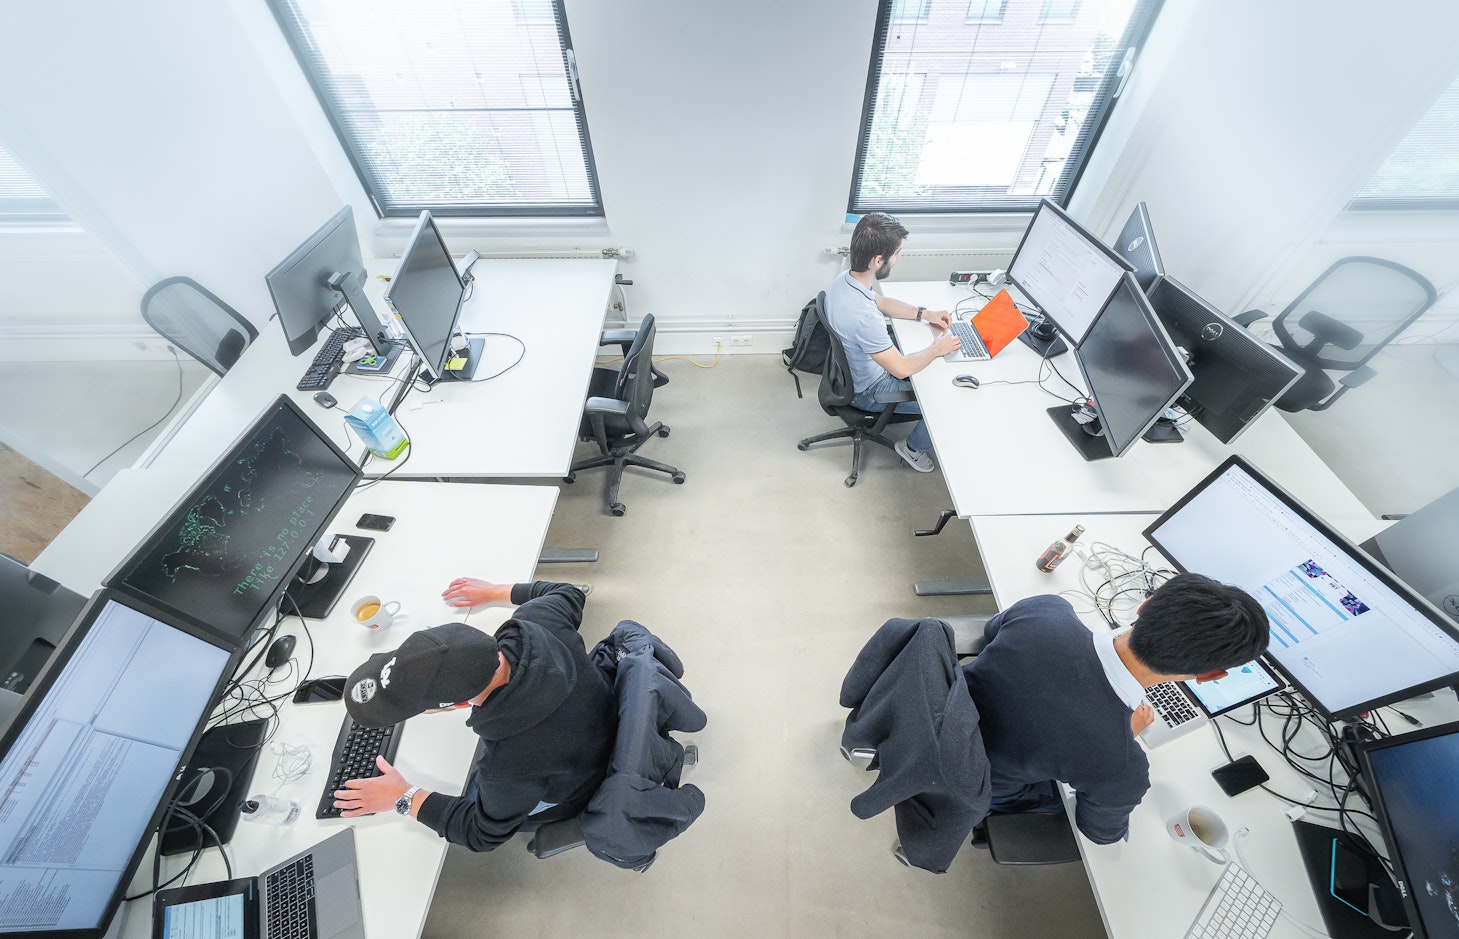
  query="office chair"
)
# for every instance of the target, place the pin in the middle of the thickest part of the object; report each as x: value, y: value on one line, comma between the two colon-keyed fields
x: 835, y: 395
x: 191, y: 317
x: 1352, y: 310
x: 618, y: 402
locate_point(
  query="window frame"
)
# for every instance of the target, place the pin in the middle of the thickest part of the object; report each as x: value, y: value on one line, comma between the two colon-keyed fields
x: 299, y: 46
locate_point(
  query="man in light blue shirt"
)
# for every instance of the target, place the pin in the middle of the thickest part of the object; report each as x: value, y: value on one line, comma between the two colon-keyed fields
x: 879, y: 370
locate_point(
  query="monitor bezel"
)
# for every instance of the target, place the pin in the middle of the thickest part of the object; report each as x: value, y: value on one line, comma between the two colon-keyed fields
x: 1088, y: 236
x: 46, y: 679
x: 180, y: 508
x: 424, y: 222
x: 343, y: 219
x: 1367, y: 561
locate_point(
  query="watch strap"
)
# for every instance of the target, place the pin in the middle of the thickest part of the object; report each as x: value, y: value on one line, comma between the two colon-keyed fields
x: 920, y: 311
x: 402, y: 804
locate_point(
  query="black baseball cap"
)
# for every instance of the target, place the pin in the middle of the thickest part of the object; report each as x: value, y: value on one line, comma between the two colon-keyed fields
x: 437, y: 667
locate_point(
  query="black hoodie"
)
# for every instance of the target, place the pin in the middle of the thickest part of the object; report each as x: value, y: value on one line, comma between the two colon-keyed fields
x: 546, y: 735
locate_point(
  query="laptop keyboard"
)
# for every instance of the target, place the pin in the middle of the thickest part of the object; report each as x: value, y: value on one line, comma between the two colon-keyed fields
x: 289, y: 894
x: 354, y: 758
x: 972, y: 349
x: 1238, y: 908
x: 1172, y: 706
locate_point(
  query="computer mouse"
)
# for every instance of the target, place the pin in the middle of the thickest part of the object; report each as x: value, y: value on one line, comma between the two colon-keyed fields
x: 966, y: 381
x: 280, y: 652
x: 324, y: 399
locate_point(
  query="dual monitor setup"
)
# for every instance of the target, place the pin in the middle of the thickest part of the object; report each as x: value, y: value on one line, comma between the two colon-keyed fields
x: 91, y: 759
x: 1143, y: 341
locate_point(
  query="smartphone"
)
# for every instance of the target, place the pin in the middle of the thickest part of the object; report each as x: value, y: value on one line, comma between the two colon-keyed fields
x: 375, y: 522
x: 1239, y: 775
x: 316, y: 690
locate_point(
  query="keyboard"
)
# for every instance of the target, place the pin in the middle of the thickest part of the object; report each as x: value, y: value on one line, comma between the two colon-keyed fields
x: 1170, y: 704
x: 972, y: 349
x: 1238, y: 908
x: 289, y: 895
x: 354, y: 758
x: 320, y: 373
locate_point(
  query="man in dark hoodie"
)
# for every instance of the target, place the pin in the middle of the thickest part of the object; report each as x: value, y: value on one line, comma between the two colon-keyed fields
x: 547, y: 718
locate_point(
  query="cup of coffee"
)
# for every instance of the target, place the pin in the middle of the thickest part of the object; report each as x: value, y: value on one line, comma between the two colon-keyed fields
x: 374, y: 613
x: 1201, y: 828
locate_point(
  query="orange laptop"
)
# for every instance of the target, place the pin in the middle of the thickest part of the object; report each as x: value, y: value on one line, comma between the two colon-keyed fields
x: 992, y: 328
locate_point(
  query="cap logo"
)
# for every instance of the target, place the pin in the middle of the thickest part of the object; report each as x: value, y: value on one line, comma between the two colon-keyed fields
x: 385, y: 673
x: 363, y: 691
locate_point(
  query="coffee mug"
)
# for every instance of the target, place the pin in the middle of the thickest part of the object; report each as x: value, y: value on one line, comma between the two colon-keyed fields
x: 1201, y: 828
x: 374, y: 613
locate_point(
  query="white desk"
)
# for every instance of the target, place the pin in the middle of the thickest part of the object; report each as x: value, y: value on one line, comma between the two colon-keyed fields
x: 1150, y: 886
x: 1001, y: 454
x: 399, y: 859
x: 520, y: 424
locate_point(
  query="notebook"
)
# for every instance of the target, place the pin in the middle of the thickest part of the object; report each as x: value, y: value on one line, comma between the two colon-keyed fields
x: 998, y: 323
x: 314, y: 894
x: 1183, y: 706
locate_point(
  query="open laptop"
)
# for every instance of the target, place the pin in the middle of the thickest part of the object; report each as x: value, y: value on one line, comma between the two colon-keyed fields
x: 991, y: 329
x: 1183, y: 706
x: 312, y: 895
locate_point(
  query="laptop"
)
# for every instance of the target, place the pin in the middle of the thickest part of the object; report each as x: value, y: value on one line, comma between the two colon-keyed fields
x: 992, y: 328
x: 1183, y: 706
x: 312, y: 895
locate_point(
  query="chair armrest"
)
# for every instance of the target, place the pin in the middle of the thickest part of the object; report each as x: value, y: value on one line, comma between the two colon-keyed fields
x: 557, y: 837
x: 967, y: 633
x: 605, y: 406
x: 1357, y: 376
x: 1249, y: 317
x: 618, y: 337
x: 900, y: 396
x: 1031, y: 838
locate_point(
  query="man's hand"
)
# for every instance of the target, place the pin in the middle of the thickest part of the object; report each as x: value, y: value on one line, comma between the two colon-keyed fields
x: 369, y: 796
x: 939, y: 318
x: 1142, y: 717
x: 946, y: 343
x: 468, y: 591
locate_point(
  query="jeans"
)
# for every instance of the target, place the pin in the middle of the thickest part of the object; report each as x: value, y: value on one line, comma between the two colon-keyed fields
x: 888, y: 387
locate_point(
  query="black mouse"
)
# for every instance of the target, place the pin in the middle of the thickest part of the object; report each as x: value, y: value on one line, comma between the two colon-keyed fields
x: 325, y: 400
x: 966, y: 381
x: 280, y: 651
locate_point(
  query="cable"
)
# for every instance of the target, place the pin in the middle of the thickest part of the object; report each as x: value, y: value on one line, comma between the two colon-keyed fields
x: 409, y: 449
x: 176, y: 401
x: 522, y: 354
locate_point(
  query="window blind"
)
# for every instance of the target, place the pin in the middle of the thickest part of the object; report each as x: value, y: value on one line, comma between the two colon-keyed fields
x: 1423, y: 170
x: 22, y: 200
x: 462, y: 107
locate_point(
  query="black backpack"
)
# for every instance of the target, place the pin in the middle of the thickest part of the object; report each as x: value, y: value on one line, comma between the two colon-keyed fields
x: 810, y: 348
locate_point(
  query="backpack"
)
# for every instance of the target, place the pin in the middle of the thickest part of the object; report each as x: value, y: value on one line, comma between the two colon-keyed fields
x: 810, y: 348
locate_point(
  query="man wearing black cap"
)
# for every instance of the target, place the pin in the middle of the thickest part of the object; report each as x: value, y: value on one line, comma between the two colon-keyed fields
x: 546, y: 716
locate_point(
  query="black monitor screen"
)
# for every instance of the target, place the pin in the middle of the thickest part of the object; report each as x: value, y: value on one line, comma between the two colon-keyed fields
x: 227, y: 551
x: 1237, y: 376
x: 1065, y: 270
x: 1348, y: 634
x: 1133, y: 371
x: 300, y: 286
x: 427, y: 292
x: 1136, y: 245
x: 1412, y: 781
x: 90, y: 759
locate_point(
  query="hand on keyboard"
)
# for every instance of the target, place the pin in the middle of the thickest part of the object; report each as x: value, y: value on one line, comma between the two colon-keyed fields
x: 373, y: 794
x: 946, y: 343
x: 1142, y: 717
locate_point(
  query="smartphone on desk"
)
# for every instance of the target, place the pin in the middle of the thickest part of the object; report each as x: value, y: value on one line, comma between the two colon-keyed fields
x: 372, y: 522
x: 317, y: 690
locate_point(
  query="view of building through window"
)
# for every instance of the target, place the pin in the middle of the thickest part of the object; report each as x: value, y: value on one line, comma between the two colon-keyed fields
x: 1423, y: 170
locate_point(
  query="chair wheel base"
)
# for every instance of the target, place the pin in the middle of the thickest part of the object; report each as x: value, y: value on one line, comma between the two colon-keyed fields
x: 617, y: 508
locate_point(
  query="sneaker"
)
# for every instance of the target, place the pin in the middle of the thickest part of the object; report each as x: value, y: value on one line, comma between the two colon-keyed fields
x: 919, y: 460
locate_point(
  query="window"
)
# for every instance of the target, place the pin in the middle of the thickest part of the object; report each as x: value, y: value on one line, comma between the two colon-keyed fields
x: 1423, y: 171
x: 988, y: 106
x: 462, y: 107
x: 22, y: 200
x: 910, y: 11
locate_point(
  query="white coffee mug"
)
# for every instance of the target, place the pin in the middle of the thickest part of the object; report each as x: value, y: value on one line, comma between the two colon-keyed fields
x: 373, y: 613
x: 1199, y: 827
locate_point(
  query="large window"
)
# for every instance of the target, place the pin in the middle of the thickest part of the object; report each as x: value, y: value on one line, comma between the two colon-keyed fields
x: 1423, y: 171
x: 462, y: 107
x: 22, y: 200
x: 988, y: 106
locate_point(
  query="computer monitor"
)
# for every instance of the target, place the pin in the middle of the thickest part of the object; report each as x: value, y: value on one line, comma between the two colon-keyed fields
x: 319, y: 279
x: 1410, y: 781
x: 1133, y: 373
x: 1347, y: 633
x: 1237, y: 376
x: 88, y: 765
x: 1136, y: 244
x: 230, y: 547
x: 1065, y: 271
x: 1416, y: 548
x: 427, y: 293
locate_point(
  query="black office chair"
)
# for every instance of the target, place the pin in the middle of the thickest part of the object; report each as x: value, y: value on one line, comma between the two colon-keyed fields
x: 835, y: 395
x: 192, y: 317
x: 613, y: 416
x: 1355, y: 308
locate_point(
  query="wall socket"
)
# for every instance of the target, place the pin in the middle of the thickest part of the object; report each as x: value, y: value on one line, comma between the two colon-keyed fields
x: 740, y: 340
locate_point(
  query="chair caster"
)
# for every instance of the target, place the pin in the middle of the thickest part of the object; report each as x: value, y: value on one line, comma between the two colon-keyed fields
x: 570, y: 478
x: 663, y: 431
x: 850, y: 481
x: 802, y: 446
x: 678, y: 479
x: 617, y: 508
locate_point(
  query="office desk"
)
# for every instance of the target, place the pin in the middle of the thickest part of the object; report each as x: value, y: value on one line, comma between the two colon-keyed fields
x: 1150, y: 886
x: 1001, y: 454
x: 399, y: 858
x: 522, y: 423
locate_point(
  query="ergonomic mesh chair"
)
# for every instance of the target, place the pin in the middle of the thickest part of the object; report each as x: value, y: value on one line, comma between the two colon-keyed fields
x: 191, y: 317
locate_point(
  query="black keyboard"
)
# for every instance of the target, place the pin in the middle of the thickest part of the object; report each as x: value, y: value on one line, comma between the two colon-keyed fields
x: 354, y: 758
x: 320, y: 373
x: 289, y: 895
x: 1172, y: 705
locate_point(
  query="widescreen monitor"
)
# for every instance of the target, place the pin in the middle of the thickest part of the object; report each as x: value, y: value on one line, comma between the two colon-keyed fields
x: 1133, y: 373
x: 227, y: 551
x: 1237, y: 376
x: 1410, y: 780
x: 320, y: 278
x: 427, y: 293
x: 89, y: 762
x: 1348, y: 634
x: 1416, y: 548
x: 1065, y: 271
x: 1136, y: 244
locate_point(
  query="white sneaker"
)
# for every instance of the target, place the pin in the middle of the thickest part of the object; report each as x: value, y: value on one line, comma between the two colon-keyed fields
x: 919, y: 460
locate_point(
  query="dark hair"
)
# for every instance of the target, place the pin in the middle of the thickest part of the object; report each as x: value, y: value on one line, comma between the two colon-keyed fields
x: 876, y: 234
x: 1192, y: 624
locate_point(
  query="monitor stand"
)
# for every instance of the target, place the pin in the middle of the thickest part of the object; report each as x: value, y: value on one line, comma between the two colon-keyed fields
x: 473, y: 359
x: 1163, y: 431
x: 382, y: 364
x: 1336, y: 864
x: 316, y: 600
x: 1048, y: 346
x: 1090, y: 447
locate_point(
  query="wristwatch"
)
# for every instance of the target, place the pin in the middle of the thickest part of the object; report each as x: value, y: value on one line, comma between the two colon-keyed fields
x: 920, y: 311
x: 402, y: 804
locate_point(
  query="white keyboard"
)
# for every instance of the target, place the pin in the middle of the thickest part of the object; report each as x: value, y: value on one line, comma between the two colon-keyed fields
x: 972, y: 349
x: 1238, y: 908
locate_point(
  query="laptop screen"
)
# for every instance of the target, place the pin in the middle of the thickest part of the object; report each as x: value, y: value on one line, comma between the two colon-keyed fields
x: 230, y: 916
x: 1242, y: 685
